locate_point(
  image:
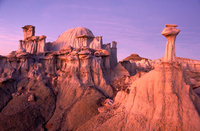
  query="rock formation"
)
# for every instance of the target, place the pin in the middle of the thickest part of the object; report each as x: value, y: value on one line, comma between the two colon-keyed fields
x: 160, y: 100
x: 80, y: 37
x: 134, y: 57
x: 77, y: 37
x: 31, y: 43
x: 68, y: 79
x: 76, y: 83
x: 170, y: 32
x: 20, y: 48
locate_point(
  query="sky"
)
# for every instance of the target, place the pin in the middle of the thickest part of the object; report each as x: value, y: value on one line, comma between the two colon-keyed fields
x: 136, y: 25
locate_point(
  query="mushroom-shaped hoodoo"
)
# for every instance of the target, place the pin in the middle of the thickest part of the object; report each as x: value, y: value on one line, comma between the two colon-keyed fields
x: 170, y: 32
x: 75, y: 37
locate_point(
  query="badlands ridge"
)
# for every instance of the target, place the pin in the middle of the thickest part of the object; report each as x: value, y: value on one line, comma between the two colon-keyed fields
x: 76, y: 83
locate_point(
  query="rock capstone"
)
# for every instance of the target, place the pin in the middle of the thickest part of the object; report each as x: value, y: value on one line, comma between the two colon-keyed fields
x: 170, y: 32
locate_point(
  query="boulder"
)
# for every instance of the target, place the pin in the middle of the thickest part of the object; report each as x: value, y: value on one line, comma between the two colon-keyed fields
x: 31, y: 98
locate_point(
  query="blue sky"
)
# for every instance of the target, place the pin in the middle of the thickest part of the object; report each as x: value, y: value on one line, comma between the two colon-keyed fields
x: 135, y: 24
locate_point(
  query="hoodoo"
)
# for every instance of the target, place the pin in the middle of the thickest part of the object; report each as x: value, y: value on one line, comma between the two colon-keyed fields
x: 160, y: 100
x: 31, y: 43
x: 76, y: 83
x: 170, y: 32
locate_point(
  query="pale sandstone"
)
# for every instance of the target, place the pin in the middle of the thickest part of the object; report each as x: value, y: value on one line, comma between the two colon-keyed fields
x: 108, y: 102
x: 101, y: 52
x: 69, y: 77
x: 20, y: 48
x: 84, y: 52
x: 149, y: 106
x: 170, y: 32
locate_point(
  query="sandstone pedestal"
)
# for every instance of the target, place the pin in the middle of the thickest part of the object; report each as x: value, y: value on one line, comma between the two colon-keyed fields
x: 170, y: 32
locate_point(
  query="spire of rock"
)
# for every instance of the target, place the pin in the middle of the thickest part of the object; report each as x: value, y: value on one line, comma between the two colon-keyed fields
x: 20, y: 48
x: 170, y: 32
x: 28, y: 31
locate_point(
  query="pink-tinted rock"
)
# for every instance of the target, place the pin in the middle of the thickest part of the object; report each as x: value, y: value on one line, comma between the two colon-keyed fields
x: 84, y: 52
x: 153, y: 103
x: 71, y: 89
x: 101, y: 52
x: 31, y: 98
x: 170, y: 32
x: 108, y: 102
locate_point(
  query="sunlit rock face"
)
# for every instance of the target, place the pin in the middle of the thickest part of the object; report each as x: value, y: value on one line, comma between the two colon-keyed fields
x: 76, y: 83
x: 78, y: 37
x: 81, y: 37
x: 28, y: 31
x: 74, y: 76
x: 170, y: 32
x: 159, y: 100
x: 164, y: 98
x: 31, y: 43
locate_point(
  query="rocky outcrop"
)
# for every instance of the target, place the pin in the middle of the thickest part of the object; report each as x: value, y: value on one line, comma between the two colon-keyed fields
x: 34, y: 113
x: 162, y: 99
x: 75, y: 37
x: 170, y: 32
x: 31, y: 43
x: 148, y: 105
x: 77, y: 84
x: 81, y: 37
x: 134, y: 57
x: 52, y: 86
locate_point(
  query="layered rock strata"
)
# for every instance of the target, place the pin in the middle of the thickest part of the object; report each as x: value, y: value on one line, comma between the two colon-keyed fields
x: 77, y: 84
x: 160, y: 100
